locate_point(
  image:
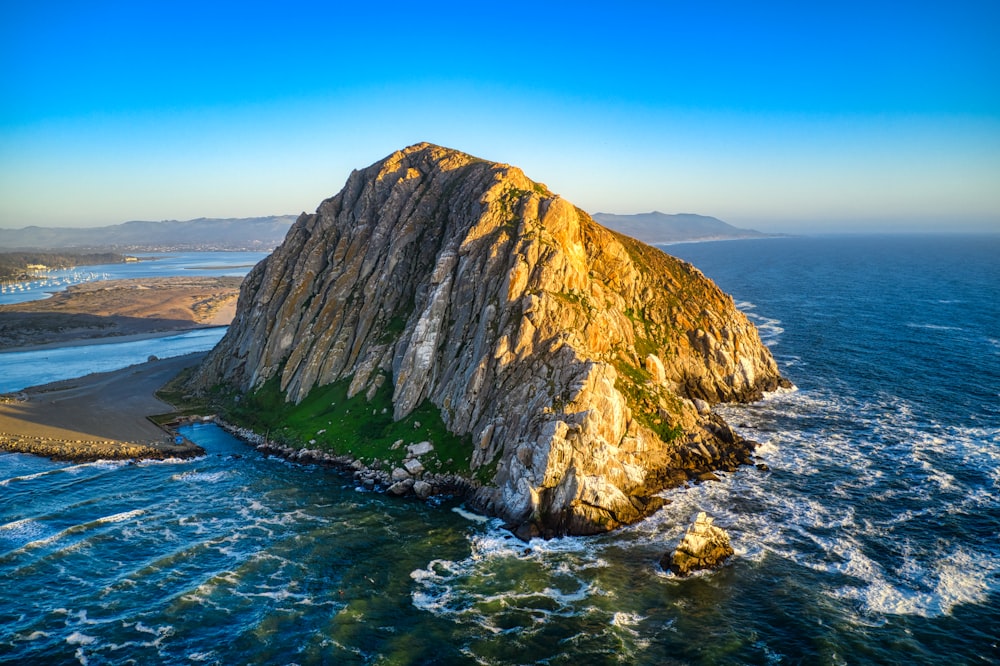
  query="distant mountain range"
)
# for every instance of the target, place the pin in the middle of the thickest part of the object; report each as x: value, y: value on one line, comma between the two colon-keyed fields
x: 266, y: 233
x: 657, y: 227
x: 249, y: 233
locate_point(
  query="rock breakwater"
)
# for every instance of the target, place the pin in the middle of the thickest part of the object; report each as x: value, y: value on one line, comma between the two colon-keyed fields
x: 90, y: 450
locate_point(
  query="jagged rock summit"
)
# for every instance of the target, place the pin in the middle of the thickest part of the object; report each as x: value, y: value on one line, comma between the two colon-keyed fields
x: 578, y: 363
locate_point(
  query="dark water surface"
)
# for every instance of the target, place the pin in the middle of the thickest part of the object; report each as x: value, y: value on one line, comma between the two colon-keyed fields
x: 873, y: 539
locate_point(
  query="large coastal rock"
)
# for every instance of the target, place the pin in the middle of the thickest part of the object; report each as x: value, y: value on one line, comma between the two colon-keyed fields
x: 704, y: 546
x: 570, y: 356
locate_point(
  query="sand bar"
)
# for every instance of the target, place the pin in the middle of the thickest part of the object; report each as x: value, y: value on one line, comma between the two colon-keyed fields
x: 99, y: 416
x: 117, y: 309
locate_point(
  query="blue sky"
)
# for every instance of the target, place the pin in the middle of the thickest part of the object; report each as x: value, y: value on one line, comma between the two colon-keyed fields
x: 783, y: 116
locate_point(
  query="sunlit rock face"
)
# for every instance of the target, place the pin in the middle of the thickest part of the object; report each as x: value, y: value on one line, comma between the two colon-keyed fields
x: 704, y: 546
x: 568, y: 354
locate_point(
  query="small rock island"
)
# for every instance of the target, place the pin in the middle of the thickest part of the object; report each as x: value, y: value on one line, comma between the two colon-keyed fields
x: 575, y: 366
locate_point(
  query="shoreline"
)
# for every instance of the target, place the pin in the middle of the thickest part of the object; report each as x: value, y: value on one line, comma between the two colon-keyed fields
x: 108, y: 339
x: 118, y: 310
x: 100, y: 416
x: 398, y: 481
x: 107, y: 416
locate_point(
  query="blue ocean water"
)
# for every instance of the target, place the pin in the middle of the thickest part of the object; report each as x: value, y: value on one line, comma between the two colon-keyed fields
x: 872, y: 539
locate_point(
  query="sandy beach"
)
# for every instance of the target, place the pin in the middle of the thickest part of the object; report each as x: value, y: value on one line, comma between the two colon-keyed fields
x: 99, y: 416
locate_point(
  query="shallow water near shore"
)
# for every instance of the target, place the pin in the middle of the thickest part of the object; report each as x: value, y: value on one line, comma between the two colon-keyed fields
x: 22, y: 369
x: 873, y: 539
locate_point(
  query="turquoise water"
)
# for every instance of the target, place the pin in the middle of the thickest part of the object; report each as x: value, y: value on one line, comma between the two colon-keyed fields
x: 873, y: 539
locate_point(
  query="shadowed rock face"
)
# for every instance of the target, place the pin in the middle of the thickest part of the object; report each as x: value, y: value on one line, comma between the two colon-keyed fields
x: 569, y: 354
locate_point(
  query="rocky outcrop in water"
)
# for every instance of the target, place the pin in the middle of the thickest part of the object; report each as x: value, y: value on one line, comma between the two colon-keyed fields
x: 704, y: 546
x: 570, y: 356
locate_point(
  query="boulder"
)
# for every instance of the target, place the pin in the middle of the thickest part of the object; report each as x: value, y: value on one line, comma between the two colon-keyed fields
x: 414, y: 467
x: 404, y: 487
x: 420, y: 449
x: 704, y: 546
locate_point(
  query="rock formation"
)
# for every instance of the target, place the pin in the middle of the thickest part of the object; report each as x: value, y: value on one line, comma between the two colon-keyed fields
x: 704, y: 546
x: 569, y: 355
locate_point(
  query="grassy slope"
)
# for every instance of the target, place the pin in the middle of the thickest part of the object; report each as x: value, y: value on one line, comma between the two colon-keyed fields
x: 329, y: 421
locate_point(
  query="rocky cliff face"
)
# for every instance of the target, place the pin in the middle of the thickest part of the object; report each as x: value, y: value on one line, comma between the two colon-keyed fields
x: 576, y: 359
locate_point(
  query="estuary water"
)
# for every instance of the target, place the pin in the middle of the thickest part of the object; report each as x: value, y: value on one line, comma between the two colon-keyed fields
x: 41, y: 366
x: 872, y: 539
x: 150, y: 264
x: 25, y: 368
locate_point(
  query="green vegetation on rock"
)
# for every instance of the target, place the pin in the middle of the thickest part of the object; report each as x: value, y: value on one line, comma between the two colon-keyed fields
x: 329, y: 421
x: 635, y: 386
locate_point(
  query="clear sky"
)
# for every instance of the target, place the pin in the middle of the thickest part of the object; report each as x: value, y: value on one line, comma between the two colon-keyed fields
x: 783, y: 116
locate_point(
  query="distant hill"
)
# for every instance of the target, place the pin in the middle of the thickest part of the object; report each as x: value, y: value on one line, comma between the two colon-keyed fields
x: 657, y: 227
x: 250, y: 233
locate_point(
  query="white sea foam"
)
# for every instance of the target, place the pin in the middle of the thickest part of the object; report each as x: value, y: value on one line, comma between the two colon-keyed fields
x: 802, y: 524
x: 935, y: 327
x: 170, y: 461
x: 160, y: 635
x: 919, y: 589
x: 502, y: 576
x: 100, y: 464
x: 200, y: 477
x: 626, y: 620
x: 22, y: 531
x: 68, y: 469
x: 77, y: 638
x: 770, y: 329
x: 120, y: 517
x: 28, y: 477
x: 469, y: 515
x: 35, y: 540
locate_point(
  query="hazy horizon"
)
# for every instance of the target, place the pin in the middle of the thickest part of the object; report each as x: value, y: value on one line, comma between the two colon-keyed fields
x: 784, y: 119
x: 859, y: 227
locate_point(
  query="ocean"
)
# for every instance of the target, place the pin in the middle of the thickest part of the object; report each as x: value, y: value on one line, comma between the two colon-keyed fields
x: 873, y: 538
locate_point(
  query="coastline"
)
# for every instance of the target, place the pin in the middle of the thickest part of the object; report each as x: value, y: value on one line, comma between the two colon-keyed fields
x: 397, y: 481
x: 107, y: 339
x: 101, y: 416
x: 107, y: 416
x: 118, y: 309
